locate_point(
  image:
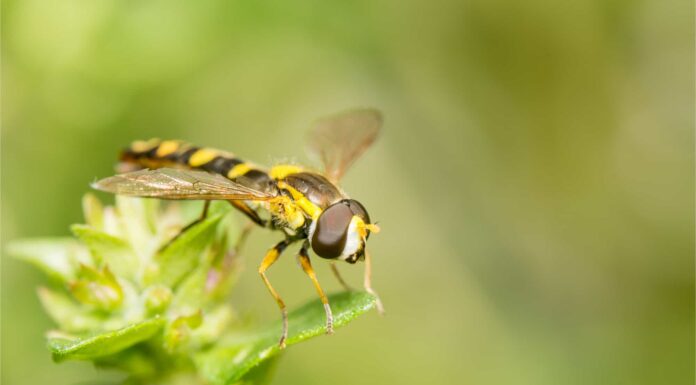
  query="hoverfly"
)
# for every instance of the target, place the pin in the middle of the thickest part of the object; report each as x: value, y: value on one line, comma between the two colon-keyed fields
x: 307, y: 206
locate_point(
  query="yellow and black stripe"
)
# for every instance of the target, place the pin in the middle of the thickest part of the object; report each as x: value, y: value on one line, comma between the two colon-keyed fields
x: 310, y: 193
x: 156, y: 153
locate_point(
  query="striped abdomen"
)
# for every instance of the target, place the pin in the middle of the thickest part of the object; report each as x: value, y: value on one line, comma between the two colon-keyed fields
x: 157, y: 153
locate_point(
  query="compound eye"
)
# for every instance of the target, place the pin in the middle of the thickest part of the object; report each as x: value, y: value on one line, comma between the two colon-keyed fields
x: 358, y: 209
x: 330, y: 235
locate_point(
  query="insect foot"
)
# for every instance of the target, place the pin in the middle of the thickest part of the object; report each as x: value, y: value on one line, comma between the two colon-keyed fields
x: 329, y: 319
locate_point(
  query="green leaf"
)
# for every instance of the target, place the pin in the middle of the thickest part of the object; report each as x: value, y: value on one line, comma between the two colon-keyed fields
x: 93, y: 210
x: 157, y: 299
x: 184, y: 253
x: 178, y: 331
x: 135, y: 361
x: 191, y: 210
x: 240, y: 353
x: 215, y: 324
x: 68, y: 314
x: 190, y: 295
x: 56, y: 257
x: 97, y: 287
x: 261, y: 374
x: 113, y: 251
x: 104, y: 344
x: 138, y: 223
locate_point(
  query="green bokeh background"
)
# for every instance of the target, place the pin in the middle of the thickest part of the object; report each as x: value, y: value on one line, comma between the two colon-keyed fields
x: 534, y: 180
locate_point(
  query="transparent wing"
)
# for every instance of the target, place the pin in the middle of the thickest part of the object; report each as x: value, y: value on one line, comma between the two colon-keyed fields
x: 338, y: 140
x: 169, y: 183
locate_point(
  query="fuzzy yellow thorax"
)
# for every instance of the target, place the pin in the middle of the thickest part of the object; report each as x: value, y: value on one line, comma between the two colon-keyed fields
x: 300, y: 200
x: 283, y: 170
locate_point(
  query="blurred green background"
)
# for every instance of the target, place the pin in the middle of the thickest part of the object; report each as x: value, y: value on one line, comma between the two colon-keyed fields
x: 534, y: 180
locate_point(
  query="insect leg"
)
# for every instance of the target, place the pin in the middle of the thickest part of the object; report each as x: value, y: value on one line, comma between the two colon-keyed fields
x: 303, y: 259
x: 368, y: 282
x: 204, y: 214
x: 336, y: 274
x: 251, y: 214
x: 272, y: 256
x: 200, y: 219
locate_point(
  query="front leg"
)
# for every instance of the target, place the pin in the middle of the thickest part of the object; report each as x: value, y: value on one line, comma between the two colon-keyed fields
x: 336, y: 274
x: 270, y: 258
x: 251, y: 214
x: 303, y: 258
x: 368, y: 283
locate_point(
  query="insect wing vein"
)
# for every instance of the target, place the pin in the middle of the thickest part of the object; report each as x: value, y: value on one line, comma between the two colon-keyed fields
x: 167, y: 183
x: 340, y: 139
